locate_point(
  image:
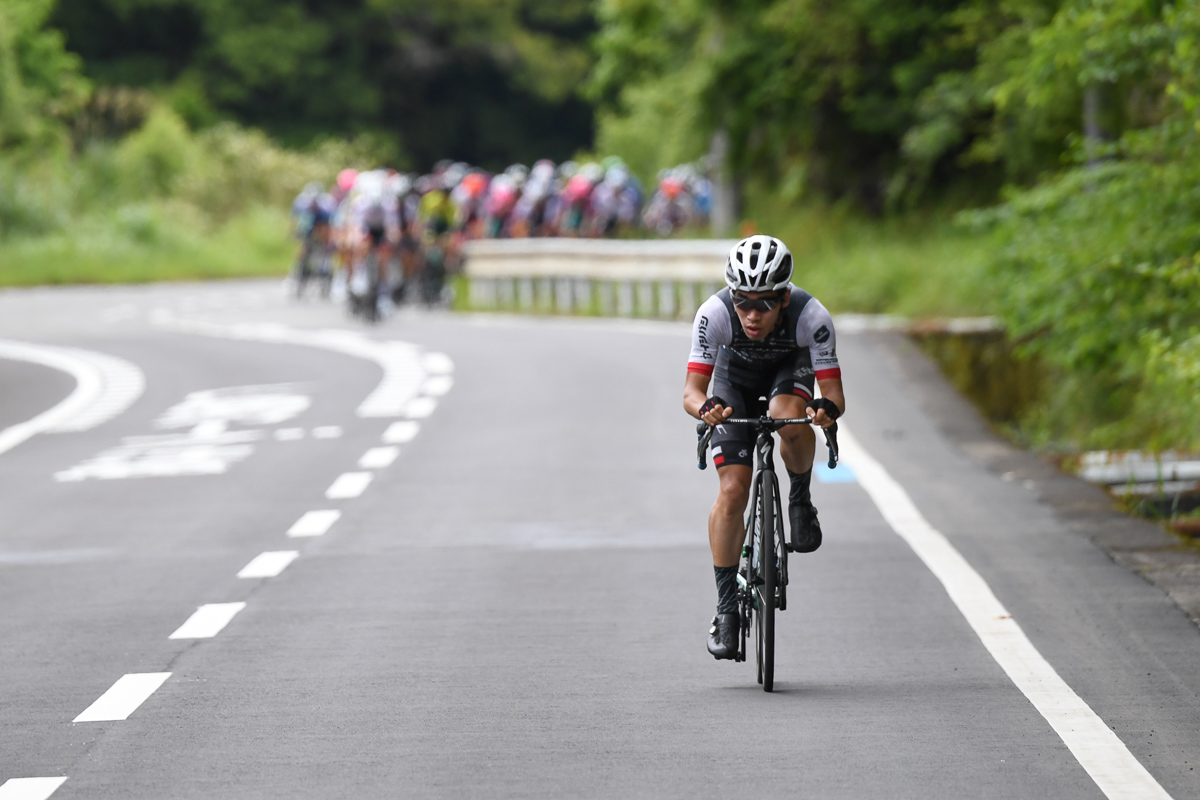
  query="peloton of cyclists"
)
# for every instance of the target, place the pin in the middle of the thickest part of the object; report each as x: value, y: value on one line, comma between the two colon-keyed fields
x: 760, y: 336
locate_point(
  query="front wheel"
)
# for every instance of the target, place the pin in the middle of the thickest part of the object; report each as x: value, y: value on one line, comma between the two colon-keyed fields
x: 765, y: 619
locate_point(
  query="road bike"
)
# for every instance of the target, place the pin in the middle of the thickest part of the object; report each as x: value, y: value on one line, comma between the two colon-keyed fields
x: 762, y: 570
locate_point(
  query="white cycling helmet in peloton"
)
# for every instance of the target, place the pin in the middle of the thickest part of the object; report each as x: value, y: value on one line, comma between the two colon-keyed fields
x: 758, y: 264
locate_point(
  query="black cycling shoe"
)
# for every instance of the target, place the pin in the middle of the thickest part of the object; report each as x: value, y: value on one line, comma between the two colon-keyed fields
x: 806, y: 530
x: 722, y: 636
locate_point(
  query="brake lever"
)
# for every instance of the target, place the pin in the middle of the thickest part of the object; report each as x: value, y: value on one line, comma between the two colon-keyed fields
x: 831, y: 443
x: 704, y: 433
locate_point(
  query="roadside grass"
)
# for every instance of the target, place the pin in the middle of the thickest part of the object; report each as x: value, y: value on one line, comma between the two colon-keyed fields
x: 916, y: 265
x: 147, y: 243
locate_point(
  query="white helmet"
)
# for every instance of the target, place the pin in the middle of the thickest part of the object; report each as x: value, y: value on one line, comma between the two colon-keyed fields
x: 759, y: 264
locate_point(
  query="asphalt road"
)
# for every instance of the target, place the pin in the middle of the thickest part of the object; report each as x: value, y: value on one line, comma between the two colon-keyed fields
x: 516, y: 605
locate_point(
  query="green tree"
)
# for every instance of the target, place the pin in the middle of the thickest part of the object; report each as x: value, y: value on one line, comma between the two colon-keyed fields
x: 483, y: 81
x: 40, y: 81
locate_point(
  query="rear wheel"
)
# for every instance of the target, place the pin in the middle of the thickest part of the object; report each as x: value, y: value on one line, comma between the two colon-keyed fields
x: 766, y: 601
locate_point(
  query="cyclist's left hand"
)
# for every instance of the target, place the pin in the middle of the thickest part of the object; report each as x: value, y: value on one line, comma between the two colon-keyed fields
x: 823, y: 412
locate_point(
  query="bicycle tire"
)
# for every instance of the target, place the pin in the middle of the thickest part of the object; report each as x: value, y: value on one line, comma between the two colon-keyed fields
x: 766, y: 604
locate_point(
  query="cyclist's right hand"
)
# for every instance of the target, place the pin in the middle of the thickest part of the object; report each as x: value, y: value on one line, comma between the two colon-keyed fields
x: 715, y: 411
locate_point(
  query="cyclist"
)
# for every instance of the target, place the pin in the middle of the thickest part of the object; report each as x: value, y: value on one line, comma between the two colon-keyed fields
x: 759, y: 336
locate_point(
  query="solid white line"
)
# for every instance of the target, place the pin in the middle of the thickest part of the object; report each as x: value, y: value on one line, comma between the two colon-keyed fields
x: 124, y: 383
x: 104, y: 387
x: 314, y: 523
x: 89, y: 385
x: 347, y: 485
x: 208, y: 621
x: 378, y: 457
x: 269, y: 564
x: 29, y: 788
x: 124, y: 697
x: 401, y: 432
x: 1104, y: 756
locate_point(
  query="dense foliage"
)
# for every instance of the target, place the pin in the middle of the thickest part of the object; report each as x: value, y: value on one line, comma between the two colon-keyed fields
x: 487, y: 81
x: 1100, y: 266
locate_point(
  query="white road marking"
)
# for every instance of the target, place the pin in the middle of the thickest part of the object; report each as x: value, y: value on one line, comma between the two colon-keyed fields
x: 401, y: 432
x: 208, y: 621
x: 30, y: 788
x: 245, y: 405
x: 437, y: 385
x: 402, y: 363
x: 314, y: 523
x: 208, y: 448
x: 327, y: 432
x: 204, y: 451
x: 437, y: 363
x: 1104, y: 756
x: 269, y: 564
x: 105, y: 386
x: 289, y: 434
x: 124, y: 697
x: 378, y: 457
x: 348, y: 484
x: 420, y: 407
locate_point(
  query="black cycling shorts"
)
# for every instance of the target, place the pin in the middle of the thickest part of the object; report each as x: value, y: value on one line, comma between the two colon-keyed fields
x: 376, y: 233
x: 741, y: 385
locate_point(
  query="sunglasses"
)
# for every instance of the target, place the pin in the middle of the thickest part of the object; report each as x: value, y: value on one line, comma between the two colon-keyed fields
x: 764, y: 304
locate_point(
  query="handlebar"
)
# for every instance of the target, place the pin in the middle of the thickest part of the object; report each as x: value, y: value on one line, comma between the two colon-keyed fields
x: 704, y: 432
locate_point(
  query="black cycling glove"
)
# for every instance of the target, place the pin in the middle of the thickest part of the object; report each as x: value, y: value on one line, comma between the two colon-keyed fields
x: 830, y: 407
x: 712, y: 403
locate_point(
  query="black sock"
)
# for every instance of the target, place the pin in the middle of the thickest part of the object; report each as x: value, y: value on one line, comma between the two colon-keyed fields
x: 799, y: 492
x: 726, y: 589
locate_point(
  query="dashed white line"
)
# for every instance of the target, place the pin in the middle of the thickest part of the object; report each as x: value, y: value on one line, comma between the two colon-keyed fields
x: 378, y: 457
x: 208, y: 621
x: 269, y: 564
x: 420, y: 407
x: 124, y: 697
x: 401, y: 432
x: 437, y: 385
x: 29, y: 788
x: 437, y: 363
x: 348, y: 484
x: 289, y: 434
x: 1097, y: 749
x: 327, y: 432
x: 314, y: 523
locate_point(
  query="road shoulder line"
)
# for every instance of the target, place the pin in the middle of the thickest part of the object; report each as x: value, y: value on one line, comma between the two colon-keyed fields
x: 1099, y: 751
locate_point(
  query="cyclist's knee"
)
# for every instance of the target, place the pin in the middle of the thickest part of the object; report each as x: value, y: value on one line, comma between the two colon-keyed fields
x: 734, y: 490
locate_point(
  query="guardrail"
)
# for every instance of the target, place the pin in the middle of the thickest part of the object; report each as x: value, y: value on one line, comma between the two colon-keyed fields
x: 664, y: 279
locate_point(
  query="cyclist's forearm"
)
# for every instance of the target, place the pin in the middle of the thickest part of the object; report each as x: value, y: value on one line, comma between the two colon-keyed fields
x: 695, y: 393
x: 832, y: 389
